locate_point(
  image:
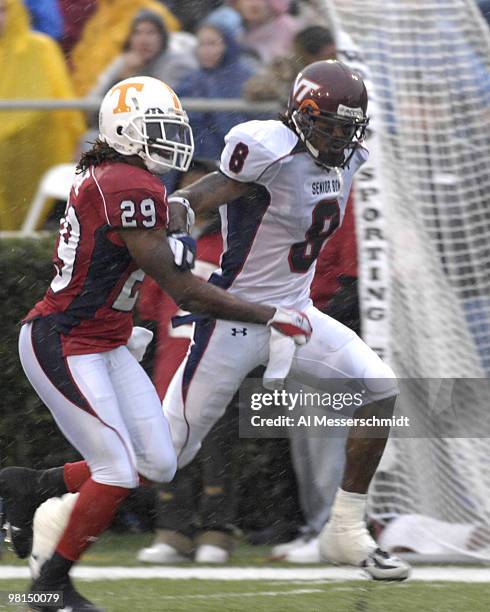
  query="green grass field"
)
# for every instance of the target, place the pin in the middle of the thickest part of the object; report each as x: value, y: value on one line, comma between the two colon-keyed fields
x: 114, y: 549
x: 207, y: 596
x: 177, y: 595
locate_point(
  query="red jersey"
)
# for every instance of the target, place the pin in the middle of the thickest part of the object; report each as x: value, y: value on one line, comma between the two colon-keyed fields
x: 96, y: 282
x: 338, y: 257
x: 154, y: 304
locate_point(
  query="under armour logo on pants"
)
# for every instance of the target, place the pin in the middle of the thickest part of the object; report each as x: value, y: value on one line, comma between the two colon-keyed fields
x: 235, y: 331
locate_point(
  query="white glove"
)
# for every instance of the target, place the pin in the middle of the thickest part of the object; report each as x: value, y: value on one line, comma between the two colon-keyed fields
x: 290, y: 328
x: 138, y: 342
x: 191, y: 216
x: 183, y: 248
x: 292, y: 323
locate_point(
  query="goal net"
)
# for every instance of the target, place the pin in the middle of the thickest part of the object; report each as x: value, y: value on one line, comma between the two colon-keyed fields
x: 423, y: 224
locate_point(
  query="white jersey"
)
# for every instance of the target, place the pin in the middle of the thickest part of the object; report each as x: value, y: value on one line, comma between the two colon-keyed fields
x: 271, y: 240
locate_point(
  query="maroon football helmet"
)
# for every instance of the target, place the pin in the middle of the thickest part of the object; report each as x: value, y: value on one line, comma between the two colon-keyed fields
x: 327, y: 109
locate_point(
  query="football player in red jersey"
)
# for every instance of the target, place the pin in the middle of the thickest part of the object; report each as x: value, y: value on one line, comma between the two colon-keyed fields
x: 73, y: 342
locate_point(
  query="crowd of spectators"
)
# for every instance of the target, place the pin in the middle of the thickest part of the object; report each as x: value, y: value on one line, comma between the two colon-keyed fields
x: 221, y: 73
x: 204, y: 49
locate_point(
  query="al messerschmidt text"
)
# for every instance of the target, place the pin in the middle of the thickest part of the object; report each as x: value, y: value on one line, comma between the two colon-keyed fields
x: 326, y: 421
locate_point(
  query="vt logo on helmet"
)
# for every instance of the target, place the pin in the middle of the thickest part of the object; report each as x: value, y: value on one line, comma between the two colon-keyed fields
x: 143, y: 116
x: 327, y: 109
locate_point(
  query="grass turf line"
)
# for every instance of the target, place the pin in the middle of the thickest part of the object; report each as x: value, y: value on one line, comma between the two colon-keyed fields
x: 205, y: 596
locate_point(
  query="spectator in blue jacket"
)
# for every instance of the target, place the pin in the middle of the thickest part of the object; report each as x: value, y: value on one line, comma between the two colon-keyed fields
x: 46, y: 17
x: 221, y: 74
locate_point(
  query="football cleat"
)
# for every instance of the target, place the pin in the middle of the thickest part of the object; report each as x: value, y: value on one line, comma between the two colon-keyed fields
x: 71, y: 600
x: 18, y: 488
x: 353, y: 545
x: 380, y: 565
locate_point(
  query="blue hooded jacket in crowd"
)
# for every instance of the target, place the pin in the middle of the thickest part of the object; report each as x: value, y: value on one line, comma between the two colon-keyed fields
x: 224, y: 81
x: 46, y: 17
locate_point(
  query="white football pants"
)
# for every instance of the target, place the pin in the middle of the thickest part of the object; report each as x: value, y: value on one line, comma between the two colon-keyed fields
x: 104, y: 404
x: 224, y: 352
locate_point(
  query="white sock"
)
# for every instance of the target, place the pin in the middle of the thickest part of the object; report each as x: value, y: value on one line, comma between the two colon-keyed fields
x: 349, y: 507
x: 50, y: 521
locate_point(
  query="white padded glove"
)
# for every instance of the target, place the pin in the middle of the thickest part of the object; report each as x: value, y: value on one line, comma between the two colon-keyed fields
x: 183, y: 247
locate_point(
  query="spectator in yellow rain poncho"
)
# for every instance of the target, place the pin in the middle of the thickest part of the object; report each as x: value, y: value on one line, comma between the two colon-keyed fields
x: 31, y: 66
x: 104, y: 36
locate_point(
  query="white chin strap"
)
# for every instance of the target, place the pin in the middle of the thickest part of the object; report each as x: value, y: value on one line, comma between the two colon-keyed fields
x: 309, y: 146
x: 316, y: 154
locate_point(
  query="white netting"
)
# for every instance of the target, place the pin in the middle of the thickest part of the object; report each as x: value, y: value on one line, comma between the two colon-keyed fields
x: 429, y: 66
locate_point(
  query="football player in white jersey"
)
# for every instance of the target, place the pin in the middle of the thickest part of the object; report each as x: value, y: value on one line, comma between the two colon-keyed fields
x: 281, y: 189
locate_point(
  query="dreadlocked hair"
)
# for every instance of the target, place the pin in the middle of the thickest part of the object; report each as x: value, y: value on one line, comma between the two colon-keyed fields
x: 99, y: 153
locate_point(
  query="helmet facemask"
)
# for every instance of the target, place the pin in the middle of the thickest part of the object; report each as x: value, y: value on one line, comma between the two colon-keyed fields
x: 331, y: 138
x: 166, y: 140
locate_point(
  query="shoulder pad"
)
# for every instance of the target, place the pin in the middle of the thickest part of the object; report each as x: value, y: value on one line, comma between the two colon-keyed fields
x: 250, y: 148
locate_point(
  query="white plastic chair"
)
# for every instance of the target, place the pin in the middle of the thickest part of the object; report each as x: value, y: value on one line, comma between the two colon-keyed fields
x: 55, y: 183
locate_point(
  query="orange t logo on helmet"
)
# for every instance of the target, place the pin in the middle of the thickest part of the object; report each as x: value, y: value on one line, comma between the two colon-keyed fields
x: 122, y: 107
x: 309, y: 105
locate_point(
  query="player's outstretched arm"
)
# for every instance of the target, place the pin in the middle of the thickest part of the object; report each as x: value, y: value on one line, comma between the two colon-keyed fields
x: 208, y: 193
x: 151, y: 251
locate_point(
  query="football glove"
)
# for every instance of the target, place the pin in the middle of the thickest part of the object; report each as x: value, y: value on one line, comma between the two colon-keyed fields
x: 292, y: 323
x: 183, y: 248
x: 289, y: 329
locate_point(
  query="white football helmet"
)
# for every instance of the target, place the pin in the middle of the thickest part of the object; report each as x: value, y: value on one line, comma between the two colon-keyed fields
x: 143, y: 116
